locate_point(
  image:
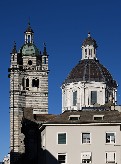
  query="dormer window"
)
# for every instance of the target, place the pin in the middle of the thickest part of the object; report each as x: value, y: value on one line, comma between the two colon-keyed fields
x: 74, y: 117
x: 98, y: 117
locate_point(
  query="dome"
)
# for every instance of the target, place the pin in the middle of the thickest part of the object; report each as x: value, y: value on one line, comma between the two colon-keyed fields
x: 90, y: 70
x: 29, y: 49
x: 89, y: 41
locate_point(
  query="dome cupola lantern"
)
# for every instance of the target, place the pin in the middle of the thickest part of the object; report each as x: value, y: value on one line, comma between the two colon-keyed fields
x: 29, y: 34
x: 89, y: 48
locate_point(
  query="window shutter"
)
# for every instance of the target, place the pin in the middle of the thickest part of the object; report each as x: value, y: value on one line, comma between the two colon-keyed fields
x: 62, y: 138
x: 110, y: 156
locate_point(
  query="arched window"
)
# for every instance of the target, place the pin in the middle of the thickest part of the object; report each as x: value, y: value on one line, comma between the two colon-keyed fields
x: 44, y: 60
x: 27, y: 84
x: 23, y: 83
x: 35, y: 83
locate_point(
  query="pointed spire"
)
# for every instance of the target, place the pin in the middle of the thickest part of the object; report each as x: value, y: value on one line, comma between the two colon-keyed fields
x: 29, y: 29
x: 14, y: 48
x: 45, y: 51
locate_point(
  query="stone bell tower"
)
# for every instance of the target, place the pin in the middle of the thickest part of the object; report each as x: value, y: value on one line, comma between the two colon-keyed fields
x: 28, y: 86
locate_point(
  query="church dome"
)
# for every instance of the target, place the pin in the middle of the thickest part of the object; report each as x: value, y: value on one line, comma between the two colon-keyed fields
x: 89, y: 41
x: 29, y: 49
x: 90, y: 70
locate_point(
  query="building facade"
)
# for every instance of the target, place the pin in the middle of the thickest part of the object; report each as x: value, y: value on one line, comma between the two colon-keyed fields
x: 83, y: 137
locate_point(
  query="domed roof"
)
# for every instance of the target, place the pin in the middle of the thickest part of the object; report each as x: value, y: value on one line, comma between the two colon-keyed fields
x: 89, y: 41
x: 29, y: 49
x: 90, y: 70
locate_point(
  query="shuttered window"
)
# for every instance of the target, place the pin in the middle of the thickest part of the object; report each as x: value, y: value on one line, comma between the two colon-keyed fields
x: 62, y: 158
x: 86, y: 157
x: 61, y: 138
x: 110, y: 157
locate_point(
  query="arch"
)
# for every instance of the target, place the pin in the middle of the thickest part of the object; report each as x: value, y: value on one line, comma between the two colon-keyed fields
x: 35, y: 83
x: 23, y: 83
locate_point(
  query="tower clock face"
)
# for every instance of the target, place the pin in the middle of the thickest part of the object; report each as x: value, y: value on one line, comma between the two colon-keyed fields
x: 30, y: 62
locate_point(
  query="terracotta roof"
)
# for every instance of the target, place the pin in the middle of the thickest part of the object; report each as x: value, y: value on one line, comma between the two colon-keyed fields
x: 113, y: 116
x: 90, y: 70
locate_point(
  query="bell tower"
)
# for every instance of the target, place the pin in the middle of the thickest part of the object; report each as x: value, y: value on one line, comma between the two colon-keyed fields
x: 28, y: 74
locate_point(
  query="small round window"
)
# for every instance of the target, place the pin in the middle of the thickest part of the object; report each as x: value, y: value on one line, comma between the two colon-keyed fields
x: 30, y: 62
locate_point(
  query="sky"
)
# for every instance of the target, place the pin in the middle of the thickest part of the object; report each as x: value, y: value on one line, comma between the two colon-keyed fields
x: 63, y: 25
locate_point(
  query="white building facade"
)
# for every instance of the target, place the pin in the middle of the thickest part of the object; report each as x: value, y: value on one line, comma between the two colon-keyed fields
x: 87, y: 139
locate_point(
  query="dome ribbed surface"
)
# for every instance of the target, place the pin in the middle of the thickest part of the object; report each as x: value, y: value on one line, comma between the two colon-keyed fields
x: 90, y: 70
x: 89, y: 41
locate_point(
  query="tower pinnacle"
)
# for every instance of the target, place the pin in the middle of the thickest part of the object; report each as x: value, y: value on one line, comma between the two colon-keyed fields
x: 29, y: 34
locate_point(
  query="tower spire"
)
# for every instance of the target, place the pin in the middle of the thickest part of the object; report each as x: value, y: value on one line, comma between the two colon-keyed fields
x: 45, y: 51
x: 14, y: 48
x: 29, y: 34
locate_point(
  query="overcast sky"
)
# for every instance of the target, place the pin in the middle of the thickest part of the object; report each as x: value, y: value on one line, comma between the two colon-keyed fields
x: 63, y: 25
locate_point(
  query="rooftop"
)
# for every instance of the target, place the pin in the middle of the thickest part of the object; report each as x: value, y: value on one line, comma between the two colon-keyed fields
x: 113, y: 116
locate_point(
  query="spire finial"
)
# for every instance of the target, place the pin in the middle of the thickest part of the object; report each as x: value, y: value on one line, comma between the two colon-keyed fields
x: 29, y: 22
x: 45, y: 52
x: 14, y: 48
x: 89, y: 34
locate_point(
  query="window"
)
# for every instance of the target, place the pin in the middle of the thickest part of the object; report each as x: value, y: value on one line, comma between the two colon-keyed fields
x: 62, y: 158
x: 44, y: 60
x: 110, y: 157
x: 110, y: 137
x: 28, y: 38
x: 85, y: 138
x: 30, y: 62
x: 23, y: 83
x: 86, y: 157
x: 93, y: 97
x: 27, y: 84
x: 74, y: 98
x: 74, y: 117
x: 85, y: 53
x: 35, y: 83
x: 61, y: 138
x: 90, y: 52
x: 98, y: 117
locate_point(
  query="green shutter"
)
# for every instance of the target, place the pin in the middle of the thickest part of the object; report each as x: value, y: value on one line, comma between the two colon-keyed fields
x: 62, y: 138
